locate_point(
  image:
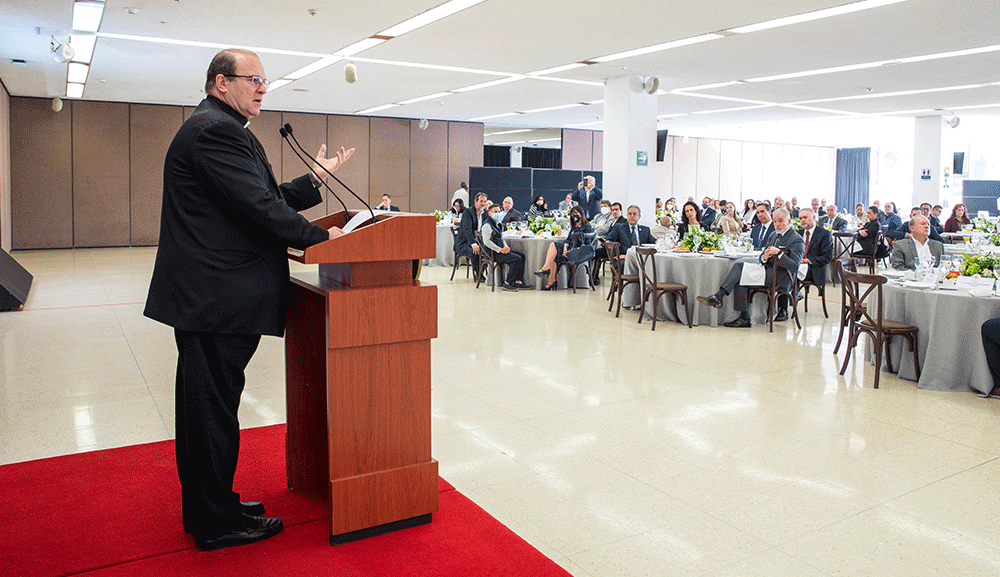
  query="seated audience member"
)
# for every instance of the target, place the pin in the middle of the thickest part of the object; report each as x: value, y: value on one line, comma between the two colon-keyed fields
x: 630, y: 234
x: 918, y: 247
x: 959, y: 217
x: 708, y: 214
x: 456, y: 210
x: 509, y: 213
x: 778, y: 203
x: 749, y: 212
x: 493, y: 239
x: 730, y: 222
x: 558, y: 250
x: 538, y: 207
x: 891, y: 221
x: 814, y: 204
x: 831, y: 220
x: 860, y: 215
x: 904, y: 231
x: 784, y: 245
x: 690, y: 216
x: 818, y: 252
x: 991, y: 345
x: 935, y: 218
x: 764, y: 227
x: 603, y: 217
x: 567, y: 204
x: 386, y: 204
x: 793, y: 208
x: 868, y: 235
x: 472, y: 220
x: 616, y: 218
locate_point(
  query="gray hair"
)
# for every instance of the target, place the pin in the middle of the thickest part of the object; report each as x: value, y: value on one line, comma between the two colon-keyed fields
x: 783, y: 211
x: 801, y: 210
x: 631, y: 206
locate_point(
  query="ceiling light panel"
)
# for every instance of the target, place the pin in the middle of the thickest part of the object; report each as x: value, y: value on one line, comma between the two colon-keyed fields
x: 87, y: 15
x: 443, y: 11
x: 84, y: 46
x: 814, y: 15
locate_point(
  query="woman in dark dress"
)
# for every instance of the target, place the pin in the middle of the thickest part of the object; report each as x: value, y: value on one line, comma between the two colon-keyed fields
x: 691, y: 216
x: 558, y: 250
x: 959, y: 217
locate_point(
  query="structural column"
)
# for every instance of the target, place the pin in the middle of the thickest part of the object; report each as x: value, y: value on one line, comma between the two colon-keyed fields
x: 629, y: 131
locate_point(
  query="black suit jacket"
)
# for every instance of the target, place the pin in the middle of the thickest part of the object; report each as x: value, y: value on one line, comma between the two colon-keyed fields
x: 936, y: 224
x: 225, y: 227
x: 759, y: 234
x: 819, y: 253
x: 591, y: 207
x: 513, y: 215
x: 839, y: 224
x: 621, y: 233
x: 789, y: 259
x: 466, y: 232
x: 868, y: 242
x: 392, y: 208
x: 708, y: 217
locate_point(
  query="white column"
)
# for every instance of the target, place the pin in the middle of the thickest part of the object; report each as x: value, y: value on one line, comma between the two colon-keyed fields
x: 927, y: 156
x: 629, y: 128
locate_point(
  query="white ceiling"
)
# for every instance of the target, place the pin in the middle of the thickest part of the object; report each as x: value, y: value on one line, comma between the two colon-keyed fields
x: 498, y: 38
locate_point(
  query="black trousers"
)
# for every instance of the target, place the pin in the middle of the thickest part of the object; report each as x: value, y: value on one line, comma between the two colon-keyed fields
x: 991, y: 345
x: 209, y: 384
x: 515, y: 265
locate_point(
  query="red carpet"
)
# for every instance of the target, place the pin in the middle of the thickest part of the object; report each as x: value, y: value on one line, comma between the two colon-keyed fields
x: 117, y: 512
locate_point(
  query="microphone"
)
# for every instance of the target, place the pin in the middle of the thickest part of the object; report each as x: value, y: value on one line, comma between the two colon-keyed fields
x: 288, y: 129
x: 350, y: 74
x: 284, y: 134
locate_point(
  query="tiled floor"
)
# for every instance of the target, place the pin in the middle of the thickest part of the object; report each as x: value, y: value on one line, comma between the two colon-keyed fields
x: 613, y: 449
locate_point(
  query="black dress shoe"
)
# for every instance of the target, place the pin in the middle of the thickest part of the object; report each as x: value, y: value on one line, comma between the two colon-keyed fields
x: 711, y: 301
x: 247, y: 530
x: 738, y: 322
x: 597, y: 282
x: 542, y: 272
x: 509, y: 287
x: 551, y: 287
x: 252, y: 508
x: 781, y: 316
x: 524, y: 287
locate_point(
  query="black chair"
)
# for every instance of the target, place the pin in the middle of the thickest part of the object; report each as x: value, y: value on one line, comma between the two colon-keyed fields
x: 486, y: 263
x: 580, y: 239
x: 459, y: 257
x: 879, y: 329
x: 619, y: 280
x: 872, y: 258
x: 775, y: 290
x: 652, y: 288
x: 599, y: 262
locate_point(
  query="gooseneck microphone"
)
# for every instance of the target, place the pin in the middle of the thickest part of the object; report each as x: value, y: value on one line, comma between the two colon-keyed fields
x: 285, y: 132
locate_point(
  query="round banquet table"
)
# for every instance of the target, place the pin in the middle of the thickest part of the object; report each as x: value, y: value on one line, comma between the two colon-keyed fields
x: 949, y: 344
x: 445, y: 253
x: 534, y: 250
x: 702, y: 274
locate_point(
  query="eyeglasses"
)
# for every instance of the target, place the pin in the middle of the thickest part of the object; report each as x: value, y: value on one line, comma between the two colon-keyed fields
x: 255, y: 80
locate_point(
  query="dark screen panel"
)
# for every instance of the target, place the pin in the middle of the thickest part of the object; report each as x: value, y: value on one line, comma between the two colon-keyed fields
x: 981, y: 195
x: 498, y: 178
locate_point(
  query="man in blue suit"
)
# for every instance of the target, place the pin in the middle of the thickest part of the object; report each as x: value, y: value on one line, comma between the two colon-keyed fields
x: 630, y: 234
x: 762, y: 228
x: 708, y: 214
x: 588, y: 196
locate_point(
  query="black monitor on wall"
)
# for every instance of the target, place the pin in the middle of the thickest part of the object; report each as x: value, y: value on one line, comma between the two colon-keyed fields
x: 661, y: 145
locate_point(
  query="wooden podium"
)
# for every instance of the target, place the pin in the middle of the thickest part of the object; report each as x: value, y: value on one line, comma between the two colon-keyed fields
x: 358, y: 376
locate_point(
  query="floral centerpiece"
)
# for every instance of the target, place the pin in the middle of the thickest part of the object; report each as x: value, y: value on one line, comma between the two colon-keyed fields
x: 984, y: 265
x: 440, y: 216
x: 544, y: 224
x: 698, y: 239
x: 984, y: 225
x: 796, y: 225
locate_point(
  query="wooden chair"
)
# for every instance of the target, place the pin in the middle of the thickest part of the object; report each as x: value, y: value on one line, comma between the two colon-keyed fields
x: 619, y: 280
x: 599, y: 263
x: 459, y: 257
x: 580, y: 239
x: 775, y: 290
x: 803, y: 285
x: 652, y: 288
x: 843, y: 265
x: 879, y: 329
x: 486, y: 262
x: 871, y: 258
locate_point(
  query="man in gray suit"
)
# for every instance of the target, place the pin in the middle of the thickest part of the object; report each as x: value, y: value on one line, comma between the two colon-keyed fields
x: 832, y: 221
x: 785, y: 245
x: 906, y: 251
x: 567, y: 204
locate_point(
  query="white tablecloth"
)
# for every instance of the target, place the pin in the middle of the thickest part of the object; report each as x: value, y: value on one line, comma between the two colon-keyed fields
x: 950, y: 345
x: 702, y: 274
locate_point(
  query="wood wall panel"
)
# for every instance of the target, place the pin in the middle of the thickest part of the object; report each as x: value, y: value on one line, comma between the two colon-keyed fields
x: 101, y: 203
x: 465, y: 149
x: 390, y: 161
x: 708, y: 168
x: 4, y: 168
x: 686, y: 169
x: 151, y: 129
x: 429, y: 167
x: 598, y: 150
x: 730, y: 161
x: 310, y: 130
x: 350, y: 132
x: 577, y: 149
x: 265, y: 127
x: 41, y: 178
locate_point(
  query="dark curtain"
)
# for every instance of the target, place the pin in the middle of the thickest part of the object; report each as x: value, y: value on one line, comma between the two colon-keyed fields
x: 853, y: 175
x: 496, y: 155
x: 541, y: 157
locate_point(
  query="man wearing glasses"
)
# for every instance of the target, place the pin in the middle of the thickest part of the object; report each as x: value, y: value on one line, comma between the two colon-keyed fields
x: 220, y: 280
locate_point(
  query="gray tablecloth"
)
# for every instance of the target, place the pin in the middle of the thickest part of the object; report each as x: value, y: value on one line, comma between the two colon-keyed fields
x: 950, y: 346
x: 445, y: 254
x: 534, y: 250
x: 702, y: 274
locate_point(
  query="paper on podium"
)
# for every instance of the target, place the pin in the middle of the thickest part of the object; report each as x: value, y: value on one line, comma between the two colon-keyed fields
x: 357, y: 220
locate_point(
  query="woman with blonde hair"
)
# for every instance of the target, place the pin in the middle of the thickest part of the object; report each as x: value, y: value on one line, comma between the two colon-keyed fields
x: 730, y: 222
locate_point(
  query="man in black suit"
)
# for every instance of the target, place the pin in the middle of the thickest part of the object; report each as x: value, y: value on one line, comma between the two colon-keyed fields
x: 935, y: 218
x: 588, y: 197
x: 831, y: 220
x: 629, y: 234
x: 221, y: 280
x: 785, y: 245
x: 763, y: 228
x: 708, y: 214
x: 903, y: 230
x: 509, y: 213
x: 386, y: 204
x: 818, y: 253
x: 472, y: 220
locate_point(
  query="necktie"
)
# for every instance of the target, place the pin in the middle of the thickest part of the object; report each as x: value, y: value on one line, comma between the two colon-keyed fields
x: 635, y: 239
x: 805, y: 250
